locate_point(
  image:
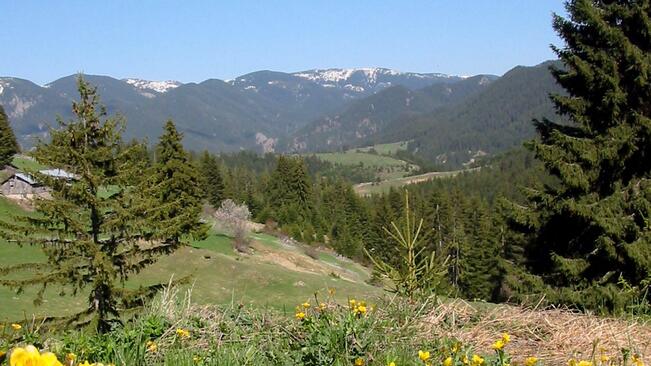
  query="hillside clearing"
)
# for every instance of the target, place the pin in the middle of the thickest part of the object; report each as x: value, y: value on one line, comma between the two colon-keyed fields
x: 273, y: 275
x: 368, y: 188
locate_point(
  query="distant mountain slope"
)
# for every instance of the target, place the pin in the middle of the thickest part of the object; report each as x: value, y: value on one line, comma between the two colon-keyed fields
x: 365, y: 118
x: 249, y: 112
x: 498, y: 118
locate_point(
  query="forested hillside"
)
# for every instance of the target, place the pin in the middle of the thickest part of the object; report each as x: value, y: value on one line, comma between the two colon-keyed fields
x: 494, y: 120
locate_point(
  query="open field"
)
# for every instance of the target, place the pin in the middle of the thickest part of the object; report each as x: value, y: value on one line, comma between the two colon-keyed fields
x: 369, y: 188
x: 273, y: 275
x: 385, y: 149
x: 387, y: 167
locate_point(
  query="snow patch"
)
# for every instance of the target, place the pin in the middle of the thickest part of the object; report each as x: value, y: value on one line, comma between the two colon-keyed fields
x: 157, y: 86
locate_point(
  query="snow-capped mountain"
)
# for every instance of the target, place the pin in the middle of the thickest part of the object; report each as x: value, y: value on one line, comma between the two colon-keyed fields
x: 371, y: 80
x: 153, y: 86
x: 263, y: 110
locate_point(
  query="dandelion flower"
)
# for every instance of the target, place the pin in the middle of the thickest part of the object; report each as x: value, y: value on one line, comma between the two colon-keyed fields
x: 300, y: 315
x: 359, y: 361
x: 151, y: 347
x: 604, y: 358
x: 506, y: 338
x: 477, y: 360
x: 530, y: 361
x: 498, y: 345
x: 637, y: 360
x: 16, y: 327
x: 306, y: 305
x: 447, y: 362
x: 584, y: 363
x: 423, y: 355
x: 391, y: 363
x: 183, y: 333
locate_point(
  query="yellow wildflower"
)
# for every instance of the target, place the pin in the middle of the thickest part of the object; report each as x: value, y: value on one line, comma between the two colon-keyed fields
x: 584, y: 363
x: 455, y: 348
x: 152, y: 347
x: 423, y: 355
x: 30, y: 356
x: 24, y: 356
x: 85, y: 364
x: 447, y: 362
x: 477, y: 360
x: 604, y: 358
x: 498, y: 345
x: 464, y: 359
x: 352, y: 303
x: 306, y: 305
x: 530, y: 361
x: 183, y: 333
x: 300, y: 315
x: 361, y: 309
x: 506, y: 338
x: 391, y: 363
x: 322, y: 306
x: 196, y: 359
x: 16, y: 327
x: 359, y: 361
x: 637, y: 360
x: 571, y: 362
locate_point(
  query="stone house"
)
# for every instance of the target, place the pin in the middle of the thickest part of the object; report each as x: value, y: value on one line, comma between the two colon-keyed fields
x: 18, y: 185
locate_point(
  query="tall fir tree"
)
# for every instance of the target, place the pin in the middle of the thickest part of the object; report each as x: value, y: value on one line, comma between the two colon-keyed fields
x: 8, y: 144
x: 172, y: 195
x: 93, y: 231
x: 592, y: 229
x: 213, y: 181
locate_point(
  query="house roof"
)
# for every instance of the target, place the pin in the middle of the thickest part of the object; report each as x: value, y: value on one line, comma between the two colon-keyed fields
x: 27, y: 178
x: 58, y: 173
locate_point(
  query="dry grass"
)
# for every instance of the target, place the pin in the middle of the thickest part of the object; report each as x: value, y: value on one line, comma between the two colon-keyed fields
x: 554, y: 335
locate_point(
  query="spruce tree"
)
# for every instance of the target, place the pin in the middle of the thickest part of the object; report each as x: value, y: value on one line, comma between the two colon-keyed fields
x: 172, y: 195
x: 213, y: 182
x: 8, y: 144
x: 592, y: 229
x: 94, y: 231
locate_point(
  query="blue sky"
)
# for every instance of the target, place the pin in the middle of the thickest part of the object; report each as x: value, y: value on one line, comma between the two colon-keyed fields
x: 198, y: 40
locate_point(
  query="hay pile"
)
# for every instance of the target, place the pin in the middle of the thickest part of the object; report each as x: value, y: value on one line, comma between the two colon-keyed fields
x: 554, y: 335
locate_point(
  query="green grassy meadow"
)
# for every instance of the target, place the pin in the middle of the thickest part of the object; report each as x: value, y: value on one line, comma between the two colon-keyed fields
x: 272, y: 275
x: 388, y: 167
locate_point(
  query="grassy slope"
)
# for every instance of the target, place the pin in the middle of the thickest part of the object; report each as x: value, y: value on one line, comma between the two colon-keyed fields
x: 388, y: 167
x: 26, y: 164
x: 384, y: 186
x: 274, y: 275
x: 386, y: 149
